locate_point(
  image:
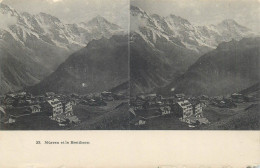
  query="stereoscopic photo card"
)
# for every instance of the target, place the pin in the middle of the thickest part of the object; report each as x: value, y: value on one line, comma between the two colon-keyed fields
x: 83, y: 81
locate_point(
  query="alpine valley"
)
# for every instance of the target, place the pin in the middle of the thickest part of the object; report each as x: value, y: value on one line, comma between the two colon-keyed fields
x: 163, y: 48
x: 33, y: 46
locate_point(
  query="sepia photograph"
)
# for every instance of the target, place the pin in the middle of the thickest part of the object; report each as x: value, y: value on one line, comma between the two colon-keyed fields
x: 194, y: 65
x: 129, y: 65
x: 130, y: 83
x: 64, y: 64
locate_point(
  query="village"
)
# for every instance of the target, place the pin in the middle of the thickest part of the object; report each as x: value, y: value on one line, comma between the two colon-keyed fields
x: 16, y: 106
x: 69, y: 110
x: 146, y: 108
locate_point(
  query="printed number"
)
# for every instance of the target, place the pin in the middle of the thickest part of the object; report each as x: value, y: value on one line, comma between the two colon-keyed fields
x: 38, y: 142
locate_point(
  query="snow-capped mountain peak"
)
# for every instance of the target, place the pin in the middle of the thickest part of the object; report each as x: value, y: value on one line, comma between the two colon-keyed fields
x: 5, y: 9
x: 137, y: 11
x: 49, y: 29
x: 44, y: 41
x: 102, y: 23
x: 97, y: 20
x: 175, y: 28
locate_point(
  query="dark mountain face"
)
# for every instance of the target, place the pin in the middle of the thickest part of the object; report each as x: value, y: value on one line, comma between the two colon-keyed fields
x: 102, y: 65
x: 154, y: 66
x: 231, y: 67
x: 17, y: 71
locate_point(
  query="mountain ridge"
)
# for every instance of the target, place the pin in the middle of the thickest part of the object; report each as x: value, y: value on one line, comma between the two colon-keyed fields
x: 173, y: 44
x: 98, y: 67
x: 44, y: 40
x: 231, y: 67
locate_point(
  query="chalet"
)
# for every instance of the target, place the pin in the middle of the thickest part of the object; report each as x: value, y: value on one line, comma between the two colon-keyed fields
x: 65, y: 115
x: 2, y: 114
x: 9, y: 99
x: 119, y: 96
x: 204, y: 97
x: 165, y: 110
x: 35, y: 108
x: 169, y: 100
x: 96, y: 102
x: 28, y: 101
x: 54, y: 106
x: 73, y: 119
x: 182, y: 109
x: 5, y: 118
x: 138, y: 121
x: 108, y: 96
x: 180, y: 96
x: 60, y: 118
x: 197, y: 108
x: 67, y: 108
x: 49, y: 94
x: 150, y: 96
x: 20, y: 102
x: 138, y: 103
x: 21, y: 94
x: 73, y: 102
x: 150, y: 104
x: 195, y: 121
x: 74, y: 95
x: 8, y: 120
x: 132, y: 113
x: 237, y: 97
x: 250, y: 98
x: 28, y: 96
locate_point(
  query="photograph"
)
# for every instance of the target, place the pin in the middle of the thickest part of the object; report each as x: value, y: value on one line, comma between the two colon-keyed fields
x: 129, y: 65
x: 194, y: 65
x: 64, y: 64
x: 130, y: 83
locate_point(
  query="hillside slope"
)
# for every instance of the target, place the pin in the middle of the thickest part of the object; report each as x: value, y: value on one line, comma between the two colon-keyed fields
x: 162, y: 48
x: 42, y: 42
x: 99, y: 66
x: 231, y: 67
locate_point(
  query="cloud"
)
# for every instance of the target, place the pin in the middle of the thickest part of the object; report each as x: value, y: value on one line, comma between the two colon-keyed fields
x: 74, y: 11
x: 203, y: 12
x: 6, y: 21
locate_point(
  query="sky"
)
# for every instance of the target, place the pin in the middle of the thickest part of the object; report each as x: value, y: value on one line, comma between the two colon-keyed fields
x: 198, y: 12
x: 74, y: 11
x: 203, y: 12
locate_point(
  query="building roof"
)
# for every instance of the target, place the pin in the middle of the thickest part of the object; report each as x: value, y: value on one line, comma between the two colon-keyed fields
x: 184, y: 103
x: 132, y: 111
x: 166, y: 107
x: 151, y: 95
x: 195, y: 102
x: 180, y: 95
x: 2, y: 110
x: 137, y: 119
x: 52, y: 102
x: 33, y: 106
x: 73, y: 118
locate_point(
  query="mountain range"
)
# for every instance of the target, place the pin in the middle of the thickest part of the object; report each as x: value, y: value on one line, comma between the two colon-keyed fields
x: 40, y: 43
x: 163, y: 48
x: 101, y: 65
x: 231, y: 67
x: 93, y: 56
